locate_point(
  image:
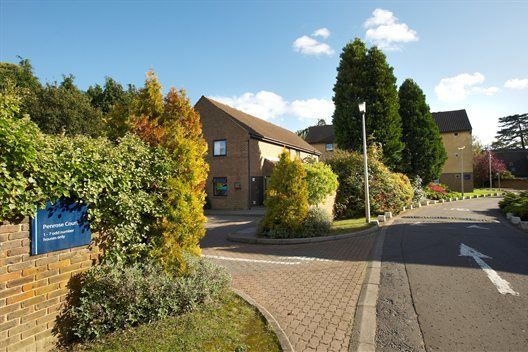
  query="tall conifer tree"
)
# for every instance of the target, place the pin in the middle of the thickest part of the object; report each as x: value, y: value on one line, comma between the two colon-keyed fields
x: 424, y: 154
x: 365, y: 75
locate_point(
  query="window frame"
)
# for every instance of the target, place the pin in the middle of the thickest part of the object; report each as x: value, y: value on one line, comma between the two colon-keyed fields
x: 215, y: 181
x: 225, y: 147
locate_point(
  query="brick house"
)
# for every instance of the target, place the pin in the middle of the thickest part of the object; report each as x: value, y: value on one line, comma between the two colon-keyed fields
x: 242, y: 152
x: 455, y: 130
x: 322, y: 139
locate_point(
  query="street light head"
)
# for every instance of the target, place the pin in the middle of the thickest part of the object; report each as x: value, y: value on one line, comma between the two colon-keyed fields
x: 362, y: 107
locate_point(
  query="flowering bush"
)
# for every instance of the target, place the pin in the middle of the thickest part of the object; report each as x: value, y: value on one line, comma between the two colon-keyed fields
x: 389, y: 191
x: 437, y: 191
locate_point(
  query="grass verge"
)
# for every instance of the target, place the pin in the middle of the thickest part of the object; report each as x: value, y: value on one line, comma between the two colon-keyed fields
x: 228, y: 325
x: 348, y: 226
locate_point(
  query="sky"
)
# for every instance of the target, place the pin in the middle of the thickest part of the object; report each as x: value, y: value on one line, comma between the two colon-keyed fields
x: 277, y: 59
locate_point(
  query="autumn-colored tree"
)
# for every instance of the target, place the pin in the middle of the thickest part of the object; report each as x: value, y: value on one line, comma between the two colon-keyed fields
x: 173, y: 124
x: 184, y: 225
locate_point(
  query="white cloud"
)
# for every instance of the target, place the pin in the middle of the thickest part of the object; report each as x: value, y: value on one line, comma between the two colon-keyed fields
x: 459, y: 87
x: 310, y: 46
x: 321, y: 32
x: 516, y: 83
x: 312, y: 109
x: 386, y: 32
x: 268, y: 105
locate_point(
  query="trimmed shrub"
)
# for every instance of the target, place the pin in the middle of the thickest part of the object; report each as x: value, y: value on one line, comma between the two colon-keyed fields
x: 317, y: 223
x: 516, y: 204
x: 286, y: 199
x: 322, y: 181
x: 109, y: 298
x: 388, y: 191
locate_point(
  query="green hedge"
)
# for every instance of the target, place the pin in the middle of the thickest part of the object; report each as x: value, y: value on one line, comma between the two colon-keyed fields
x: 388, y: 191
x: 123, y: 185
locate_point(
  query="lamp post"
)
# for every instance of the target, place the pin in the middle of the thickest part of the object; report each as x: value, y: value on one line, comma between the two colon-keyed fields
x: 363, y: 110
x: 462, y: 169
x: 489, y: 158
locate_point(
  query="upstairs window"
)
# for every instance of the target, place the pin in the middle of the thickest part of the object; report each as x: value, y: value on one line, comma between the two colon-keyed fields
x: 220, y: 148
x: 220, y: 186
x: 329, y: 147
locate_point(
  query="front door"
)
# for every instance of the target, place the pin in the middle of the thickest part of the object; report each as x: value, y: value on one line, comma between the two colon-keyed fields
x: 257, y: 190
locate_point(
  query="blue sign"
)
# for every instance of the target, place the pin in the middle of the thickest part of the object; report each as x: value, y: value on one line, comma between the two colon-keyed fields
x: 61, y: 225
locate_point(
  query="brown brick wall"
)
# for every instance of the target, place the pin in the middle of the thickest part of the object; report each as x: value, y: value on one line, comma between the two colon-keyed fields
x: 217, y: 125
x: 33, y: 288
x: 452, y: 181
x: 520, y: 184
x: 325, y: 155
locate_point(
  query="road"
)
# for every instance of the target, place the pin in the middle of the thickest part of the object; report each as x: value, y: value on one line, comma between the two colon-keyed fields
x: 435, y: 299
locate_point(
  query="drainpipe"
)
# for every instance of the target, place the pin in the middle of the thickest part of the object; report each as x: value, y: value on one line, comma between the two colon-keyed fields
x: 249, y: 174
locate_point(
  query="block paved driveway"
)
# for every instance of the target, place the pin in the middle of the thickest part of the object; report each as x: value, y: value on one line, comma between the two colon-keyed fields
x: 310, y: 289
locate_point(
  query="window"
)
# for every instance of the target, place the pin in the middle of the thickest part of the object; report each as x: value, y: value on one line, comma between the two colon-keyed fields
x: 298, y: 154
x: 329, y: 147
x: 220, y: 148
x: 220, y: 186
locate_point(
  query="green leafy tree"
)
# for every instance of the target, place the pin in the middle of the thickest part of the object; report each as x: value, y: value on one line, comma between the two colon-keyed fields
x: 63, y: 108
x: 424, y: 154
x: 106, y: 98
x: 365, y: 75
x: 513, y: 132
x: 23, y: 79
x: 116, y: 104
x: 286, y: 198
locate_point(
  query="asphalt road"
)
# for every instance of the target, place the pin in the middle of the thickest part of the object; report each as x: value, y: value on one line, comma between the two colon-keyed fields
x: 432, y: 298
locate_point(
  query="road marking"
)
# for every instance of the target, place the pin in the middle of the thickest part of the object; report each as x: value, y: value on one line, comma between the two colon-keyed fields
x: 250, y: 260
x: 477, y: 227
x: 459, y: 209
x: 310, y: 259
x: 502, y: 285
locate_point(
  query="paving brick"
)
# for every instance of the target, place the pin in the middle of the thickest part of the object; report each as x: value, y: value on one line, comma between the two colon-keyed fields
x: 314, y: 301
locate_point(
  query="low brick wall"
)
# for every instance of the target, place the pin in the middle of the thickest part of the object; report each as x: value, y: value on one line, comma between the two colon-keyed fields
x: 519, y: 184
x: 33, y: 288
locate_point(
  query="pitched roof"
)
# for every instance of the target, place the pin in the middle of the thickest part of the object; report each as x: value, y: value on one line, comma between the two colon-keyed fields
x: 452, y: 121
x: 263, y: 130
x: 320, y: 134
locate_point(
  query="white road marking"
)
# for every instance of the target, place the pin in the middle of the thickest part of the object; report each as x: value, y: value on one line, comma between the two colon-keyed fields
x: 477, y: 227
x: 459, y: 209
x: 310, y: 259
x: 502, y: 285
x: 250, y: 260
